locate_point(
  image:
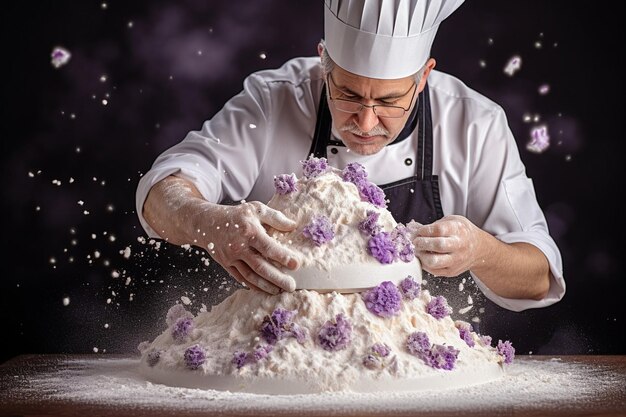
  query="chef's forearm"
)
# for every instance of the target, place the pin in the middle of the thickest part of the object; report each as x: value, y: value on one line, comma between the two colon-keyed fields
x: 517, y: 270
x: 171, y: 207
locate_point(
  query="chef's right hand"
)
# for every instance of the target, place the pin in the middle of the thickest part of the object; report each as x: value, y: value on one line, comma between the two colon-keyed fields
x: 235, y: 237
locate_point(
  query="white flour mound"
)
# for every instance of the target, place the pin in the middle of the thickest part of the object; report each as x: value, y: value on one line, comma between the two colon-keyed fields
x: 343, y: 263
x: 293, y: 367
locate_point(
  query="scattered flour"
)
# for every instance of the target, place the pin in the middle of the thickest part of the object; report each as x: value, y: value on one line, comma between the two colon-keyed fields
x: 530, y: 385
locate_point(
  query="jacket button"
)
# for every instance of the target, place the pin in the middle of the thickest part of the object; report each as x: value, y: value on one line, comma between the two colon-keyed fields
x: 333, y: 150
x: 408, y: 162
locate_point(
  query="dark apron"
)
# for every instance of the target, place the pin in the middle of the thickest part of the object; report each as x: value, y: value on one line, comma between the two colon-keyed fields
x: 422, y: 205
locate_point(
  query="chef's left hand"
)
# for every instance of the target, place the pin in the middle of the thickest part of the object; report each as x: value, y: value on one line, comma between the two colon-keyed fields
x: 448, y: 246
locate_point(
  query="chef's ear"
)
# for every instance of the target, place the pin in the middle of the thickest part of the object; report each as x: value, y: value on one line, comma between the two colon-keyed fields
x: 320, y: 48
x: 430, y: 65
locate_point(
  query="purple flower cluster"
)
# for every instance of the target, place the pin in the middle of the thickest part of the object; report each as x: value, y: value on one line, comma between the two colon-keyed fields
x: 465, y: 332
x: 438, y: 307
x: 285, y: 183
x: 335, y: 336
x: 382, y: 247
x: 443, y: 357
x: 372, y: 193
x: 404, y: 246
x: 374, y: 359
x: 153, y: 357
x: 354, y: 173
x: 182, y: 328
x: 410, y: 288
x: 485, y: 340
x: 383, y: 300
x: 506, y: 350
x: 320, y: 230
x: 280, y: 325
x: 435, y: 356
x: 195, y: 356
x: 388, y: 247
x: 314, y: 167
x: 369, y: 226
x: 240, y: 359
x: 418, y: 344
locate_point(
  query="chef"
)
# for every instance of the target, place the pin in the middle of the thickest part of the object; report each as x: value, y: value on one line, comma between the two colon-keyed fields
x: 442, y: 152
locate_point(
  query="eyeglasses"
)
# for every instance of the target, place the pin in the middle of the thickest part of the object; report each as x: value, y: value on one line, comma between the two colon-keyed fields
x: 380, y: 110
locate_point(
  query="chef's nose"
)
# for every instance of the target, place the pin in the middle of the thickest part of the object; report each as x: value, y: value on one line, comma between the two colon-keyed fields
x: 367, y: 119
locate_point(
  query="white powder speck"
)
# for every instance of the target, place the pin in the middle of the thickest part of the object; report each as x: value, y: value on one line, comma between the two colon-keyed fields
x: 108, y: 301
x: 81, y: 202
x: 470, y: 300
x: 465, y: 309
x: 115, y: 274
x: 252, y: 126
x: 461, y: 287
x: 127, y: 281
x: 126, y: 252
x: 186, y: 301
x: 66, y: 301
x: 71, y: 180
x: 95, y: 350
x: 96, y: 254
x: 106, y: 325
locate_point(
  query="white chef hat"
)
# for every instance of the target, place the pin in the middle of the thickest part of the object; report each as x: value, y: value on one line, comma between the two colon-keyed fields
x: 385, y: 39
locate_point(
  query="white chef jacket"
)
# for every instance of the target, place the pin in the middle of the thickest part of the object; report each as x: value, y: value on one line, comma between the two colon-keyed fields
x: 268, y: 128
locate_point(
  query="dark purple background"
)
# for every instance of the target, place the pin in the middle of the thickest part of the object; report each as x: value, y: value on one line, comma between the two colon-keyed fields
x: 577, y: 179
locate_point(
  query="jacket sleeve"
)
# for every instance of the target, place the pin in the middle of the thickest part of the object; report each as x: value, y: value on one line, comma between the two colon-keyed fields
x: 222, y: 159
x: 502, y: 201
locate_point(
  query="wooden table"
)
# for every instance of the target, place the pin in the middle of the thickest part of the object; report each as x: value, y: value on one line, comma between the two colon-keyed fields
x: 107, y: 385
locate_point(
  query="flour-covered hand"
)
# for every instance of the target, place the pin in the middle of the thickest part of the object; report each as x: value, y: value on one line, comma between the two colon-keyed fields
x: 236, y: 238
x: 448, y: 246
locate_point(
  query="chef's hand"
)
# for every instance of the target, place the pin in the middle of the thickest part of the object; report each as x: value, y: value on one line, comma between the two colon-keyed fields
x: 236, y: 238
x: 448, y: 246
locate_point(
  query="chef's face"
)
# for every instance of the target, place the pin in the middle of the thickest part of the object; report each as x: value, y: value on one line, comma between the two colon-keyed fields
x: 367, y: 131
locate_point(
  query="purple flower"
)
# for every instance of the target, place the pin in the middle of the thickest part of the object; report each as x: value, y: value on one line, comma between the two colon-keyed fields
x: 320, y: 230
x: 296, y: 331
x: 375, y: 359
x: 382, y: 248
x: 354, y: 173
x: 285, y: 183
x: 443, y: 357
x: 153, y: 357
x: 182, y: 329
x: 486, y: 340
x: 314, y: 167
x: 261, y: 352
x: 335, y: 336
x: 383, y: 300
x: 372, y: 193
x: 438, y: 307
x: 465, y: 332
x: 418, y: 344
x: 274, y: 326
x: 195, y: 356
x: 506, y: 350
x: 410, y: 288
x: 380, y: 349
x: 372, y: 361
x: 404, y: 246
x: 369, y: 226
x: 239, y: 359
